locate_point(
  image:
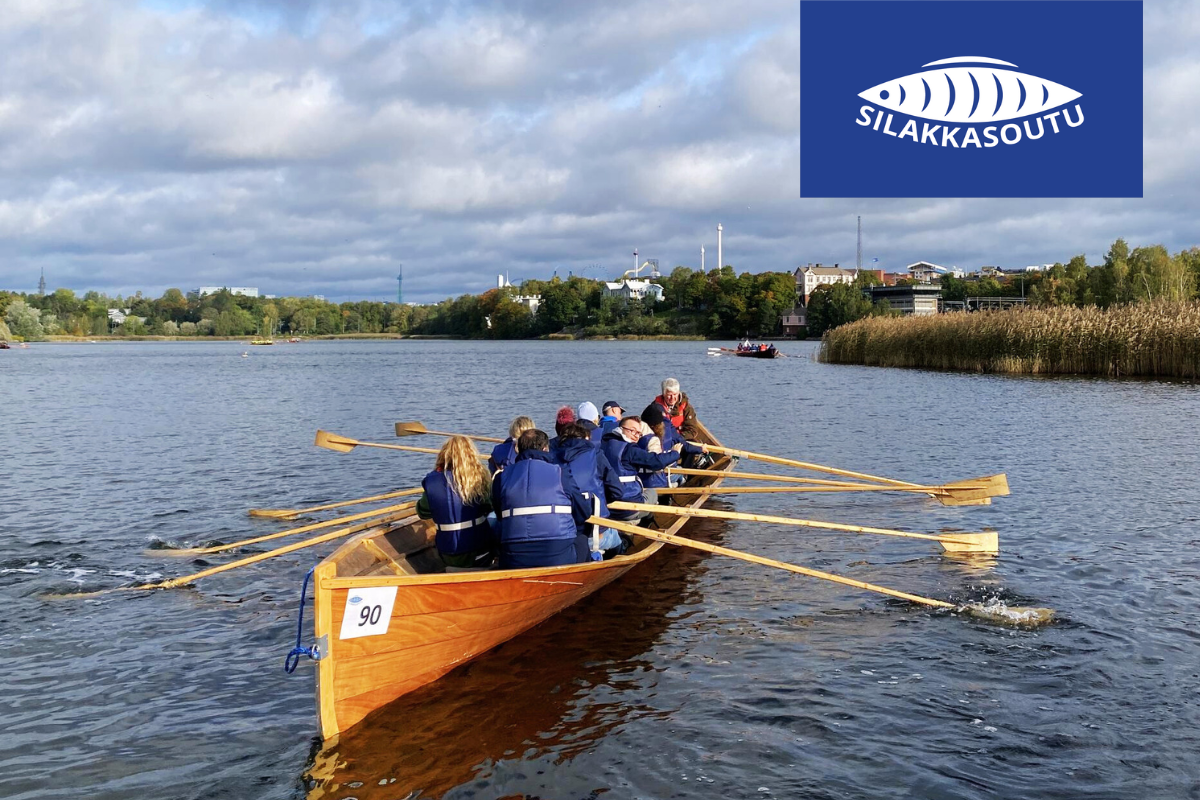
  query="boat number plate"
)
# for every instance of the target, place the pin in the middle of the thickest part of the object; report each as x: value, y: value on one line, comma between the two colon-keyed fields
x: 368, y: 612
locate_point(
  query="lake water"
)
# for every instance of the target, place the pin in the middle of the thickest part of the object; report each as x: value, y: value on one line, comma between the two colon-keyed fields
x: 694, y: 676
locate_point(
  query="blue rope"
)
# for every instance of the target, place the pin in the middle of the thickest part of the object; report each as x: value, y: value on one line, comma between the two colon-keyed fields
x: 293, y: 658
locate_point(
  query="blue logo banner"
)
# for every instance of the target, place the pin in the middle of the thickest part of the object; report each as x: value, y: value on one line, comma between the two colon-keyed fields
x: 970, y: 98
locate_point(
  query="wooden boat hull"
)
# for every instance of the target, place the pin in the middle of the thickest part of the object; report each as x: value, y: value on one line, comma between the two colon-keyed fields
x: 758, y: 354
x: 438, y: 620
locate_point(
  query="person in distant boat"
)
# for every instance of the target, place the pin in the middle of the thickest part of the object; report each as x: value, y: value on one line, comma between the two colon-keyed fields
x: 505, y: 453
x: 612, y: 416
x: 620, y: 447
x: 587, y: 476
x: 535, y: 511
x: 678, y: 409
x: 457, y: 498
x: 564, y: 417
x: 662, y: 438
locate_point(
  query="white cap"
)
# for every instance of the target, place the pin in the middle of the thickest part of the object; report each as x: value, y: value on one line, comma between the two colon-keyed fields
x: 587, y: 410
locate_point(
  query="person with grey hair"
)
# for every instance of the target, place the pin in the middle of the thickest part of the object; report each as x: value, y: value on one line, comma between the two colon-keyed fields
x: 678, y: 409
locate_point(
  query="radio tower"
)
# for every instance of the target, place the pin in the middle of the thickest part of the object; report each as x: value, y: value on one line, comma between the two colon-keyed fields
x: 42, y: 283
x: 400, y: 286
x: 859, y: 262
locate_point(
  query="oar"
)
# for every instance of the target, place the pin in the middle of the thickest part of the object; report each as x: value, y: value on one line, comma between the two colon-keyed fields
x: 418, y: 428
x: 760, y: 476
x: 1017, y: 615
x: 794, y: 489
x: 291, y: 548
x: 343, y: 444
x: 988, y: 542
x: 994, y: 485
x: 292, y: 513
x: 303, y: 529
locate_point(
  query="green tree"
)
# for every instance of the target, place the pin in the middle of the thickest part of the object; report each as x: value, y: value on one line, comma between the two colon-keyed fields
x: 562, y: 304
x: 24, y: 321
x: 834, y: 305
x: 1154, y: 275
x: 235, y: 321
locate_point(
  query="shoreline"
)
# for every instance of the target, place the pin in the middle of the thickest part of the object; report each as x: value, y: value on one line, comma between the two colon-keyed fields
x: 553, y: 337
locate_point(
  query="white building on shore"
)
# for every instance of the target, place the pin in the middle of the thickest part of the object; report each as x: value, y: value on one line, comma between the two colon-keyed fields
x: 633, y: 290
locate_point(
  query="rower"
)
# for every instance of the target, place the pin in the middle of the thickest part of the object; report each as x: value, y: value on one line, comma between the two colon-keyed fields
x: 564, y: 417
x: 537, y: 526
x: 627, y: 460
x: 589, y: 418
x: 612, y: 416
x: 667, y: 439
x: 505, y: 453
x: 587, y: 475
x: 457, y: 498
x: 678, y: 409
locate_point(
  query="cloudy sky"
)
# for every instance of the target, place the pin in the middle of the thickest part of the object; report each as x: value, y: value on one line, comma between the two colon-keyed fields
x: 310, y: 147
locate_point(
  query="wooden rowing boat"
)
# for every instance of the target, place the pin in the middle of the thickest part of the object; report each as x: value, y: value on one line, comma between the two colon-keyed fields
x: 389, y: 618
x: 770, y: 352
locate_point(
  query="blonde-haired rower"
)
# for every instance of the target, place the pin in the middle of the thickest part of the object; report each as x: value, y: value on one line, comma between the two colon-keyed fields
x: 504, y: 454
x: 458, y: 499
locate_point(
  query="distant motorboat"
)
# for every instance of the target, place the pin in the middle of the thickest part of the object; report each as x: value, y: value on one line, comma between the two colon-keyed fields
x: 263, y: 341
x: 5, y: 346
x: 294, y: 340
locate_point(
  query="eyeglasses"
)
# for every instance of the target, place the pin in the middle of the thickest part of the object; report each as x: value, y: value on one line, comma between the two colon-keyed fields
x: 632, y: 431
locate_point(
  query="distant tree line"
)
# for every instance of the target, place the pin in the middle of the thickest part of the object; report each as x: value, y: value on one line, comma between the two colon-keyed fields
x: 1142, y: 275
x: 717, y: 303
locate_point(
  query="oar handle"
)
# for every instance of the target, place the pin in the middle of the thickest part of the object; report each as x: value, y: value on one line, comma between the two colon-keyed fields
x: 687, y: 511
x: 729, y: 451
x: 681, y: 541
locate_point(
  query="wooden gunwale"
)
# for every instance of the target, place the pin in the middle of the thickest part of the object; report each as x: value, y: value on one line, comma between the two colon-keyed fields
x: 432, y: 631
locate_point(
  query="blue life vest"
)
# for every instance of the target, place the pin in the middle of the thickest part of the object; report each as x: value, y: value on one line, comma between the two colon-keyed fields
x: 578, y: 462
x: 656, y: 479
x: 613, y: 445
x: 503, y: 455
x: 532, y: 504
x: 461, y: 528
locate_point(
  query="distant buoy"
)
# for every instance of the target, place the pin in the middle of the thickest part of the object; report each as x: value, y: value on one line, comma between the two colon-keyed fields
x: 245, y: 355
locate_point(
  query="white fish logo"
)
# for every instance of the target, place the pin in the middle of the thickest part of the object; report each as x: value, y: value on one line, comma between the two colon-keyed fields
x: 969, y: 94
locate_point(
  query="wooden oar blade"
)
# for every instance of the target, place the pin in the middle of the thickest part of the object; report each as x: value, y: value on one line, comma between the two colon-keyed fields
x: 331, y: 441
x: 274, y: 513
x: 975, y: 491
x: 410, y: 428
x: 1015, y: 616
x: 986, y: 543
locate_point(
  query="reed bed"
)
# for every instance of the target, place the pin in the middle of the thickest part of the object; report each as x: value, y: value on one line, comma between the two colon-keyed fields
x: 1152, y: 339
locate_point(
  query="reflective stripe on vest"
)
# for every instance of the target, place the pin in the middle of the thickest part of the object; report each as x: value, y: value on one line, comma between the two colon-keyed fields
x: 527, y: 511
x: 462, y: 526
x: 627, y: 478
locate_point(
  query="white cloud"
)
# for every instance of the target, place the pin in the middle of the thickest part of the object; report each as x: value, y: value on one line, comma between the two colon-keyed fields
x: 312, y: 147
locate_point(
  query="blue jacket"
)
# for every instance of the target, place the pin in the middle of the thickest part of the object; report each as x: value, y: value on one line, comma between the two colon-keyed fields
x: 626, y: 460
x: 503, y: 455
x: 594, y: 430
x: 586, y: 474
x: 461, y: 528
x: 607, y: 423
x: 657, y: 479
x: 530, y: 501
